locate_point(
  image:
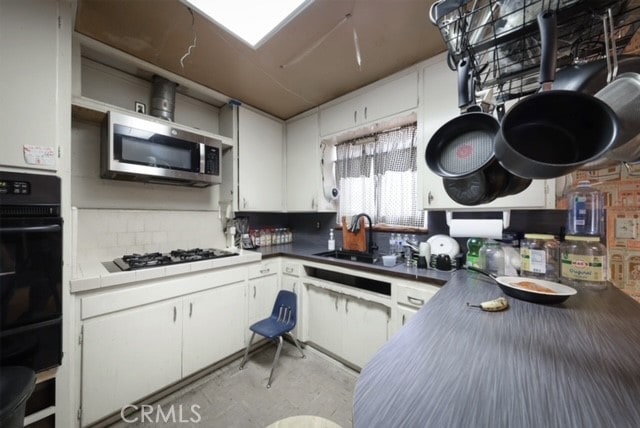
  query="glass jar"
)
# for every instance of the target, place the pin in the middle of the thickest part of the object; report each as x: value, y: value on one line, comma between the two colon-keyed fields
x: 540, y: 256
x: 492, y: 257
x: 585, y: 206
x: 583, y: 261
x: 473, y: 251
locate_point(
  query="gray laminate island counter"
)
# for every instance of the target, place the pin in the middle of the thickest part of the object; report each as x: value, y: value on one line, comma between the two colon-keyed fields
x: 576, y: 364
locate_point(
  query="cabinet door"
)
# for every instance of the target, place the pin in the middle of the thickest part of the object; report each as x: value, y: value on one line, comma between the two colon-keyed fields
x: 324, y: 319
x: 339, y: 117
x: 262, y: 296
x: 389, y: 99
x: 303, y: 165
x: 128, y: 355
x: 364, y: 330
x: 440, y: 99
x: 29, y: 84
x: 404, y: 314
x: 260, y: 176
x: 292, y: 284
x: 213, y: 326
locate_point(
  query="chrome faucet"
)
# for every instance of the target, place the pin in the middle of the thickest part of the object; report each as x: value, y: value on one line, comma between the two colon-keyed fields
x: 355, y: 226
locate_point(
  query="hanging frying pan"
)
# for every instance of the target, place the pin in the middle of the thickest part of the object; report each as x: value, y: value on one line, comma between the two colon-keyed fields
x: 554, y: 132
x: 463, y: 145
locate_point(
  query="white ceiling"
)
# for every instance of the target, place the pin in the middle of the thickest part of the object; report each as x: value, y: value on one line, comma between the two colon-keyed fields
x: 310, y: 61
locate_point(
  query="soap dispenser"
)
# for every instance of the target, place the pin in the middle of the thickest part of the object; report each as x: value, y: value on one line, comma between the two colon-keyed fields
x: 332, y: 241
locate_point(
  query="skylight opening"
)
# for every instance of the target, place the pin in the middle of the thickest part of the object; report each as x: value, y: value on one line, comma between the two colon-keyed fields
x: 252, y: 21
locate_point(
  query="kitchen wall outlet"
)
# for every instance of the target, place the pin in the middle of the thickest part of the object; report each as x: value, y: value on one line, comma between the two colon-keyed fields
x: 317, y: 225
x: 626, y: 228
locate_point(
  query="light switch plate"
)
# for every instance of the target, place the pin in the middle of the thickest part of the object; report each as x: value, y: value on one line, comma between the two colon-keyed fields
x: 626, y: 228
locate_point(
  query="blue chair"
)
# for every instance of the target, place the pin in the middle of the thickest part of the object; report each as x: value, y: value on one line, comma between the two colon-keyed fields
x: 281, y: 322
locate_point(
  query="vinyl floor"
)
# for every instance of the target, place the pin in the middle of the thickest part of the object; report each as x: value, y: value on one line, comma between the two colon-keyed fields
x: 229, y: 397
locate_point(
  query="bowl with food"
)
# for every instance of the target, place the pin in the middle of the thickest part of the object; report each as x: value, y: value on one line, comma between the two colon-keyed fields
x: 531, y: 289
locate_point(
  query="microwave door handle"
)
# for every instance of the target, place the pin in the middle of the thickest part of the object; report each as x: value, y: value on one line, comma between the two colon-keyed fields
x: 32, y: 229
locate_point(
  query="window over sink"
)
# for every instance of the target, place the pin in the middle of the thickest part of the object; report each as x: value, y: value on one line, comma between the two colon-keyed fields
x: 377, y: 174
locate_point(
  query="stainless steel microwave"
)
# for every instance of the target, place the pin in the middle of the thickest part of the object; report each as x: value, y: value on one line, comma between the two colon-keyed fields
x: 138, y: 149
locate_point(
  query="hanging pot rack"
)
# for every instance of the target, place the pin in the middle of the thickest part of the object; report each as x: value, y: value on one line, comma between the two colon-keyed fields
x: 501, y: 37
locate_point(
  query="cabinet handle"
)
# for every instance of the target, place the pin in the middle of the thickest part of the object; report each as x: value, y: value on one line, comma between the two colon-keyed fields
x: 313, y: 203
x: 336, y: 303
x: 365, y: 113
x: 429, y: 198
x: 244, y: 202
x: 289, y: 270
x: 263, y: 271
x: 190, y: 309
x: 346, y: 305
x: 355, y: 116
x: 415, y: 301
x: 403, y: 318
x: 294, y: 287
x: 254, y: 291
x: 175, y: 314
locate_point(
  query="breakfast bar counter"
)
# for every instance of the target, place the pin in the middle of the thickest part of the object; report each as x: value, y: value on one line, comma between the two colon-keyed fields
x: 574, y: 364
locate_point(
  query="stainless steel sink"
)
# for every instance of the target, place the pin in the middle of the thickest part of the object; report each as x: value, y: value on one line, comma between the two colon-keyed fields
x: 354, y: 256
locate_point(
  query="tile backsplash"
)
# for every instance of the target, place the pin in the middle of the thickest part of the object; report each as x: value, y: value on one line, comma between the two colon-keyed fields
x: 104, y: 234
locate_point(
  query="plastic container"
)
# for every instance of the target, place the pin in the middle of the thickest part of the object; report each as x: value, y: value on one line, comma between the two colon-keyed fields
x: 540, y: 257
x: 389, y: 260
x: 583, y: 262
x: 473, y: 251
x: 492, y: 257
x: 585, y: 210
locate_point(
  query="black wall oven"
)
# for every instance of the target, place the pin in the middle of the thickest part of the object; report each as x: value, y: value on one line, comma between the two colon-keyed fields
x: 30, y: 270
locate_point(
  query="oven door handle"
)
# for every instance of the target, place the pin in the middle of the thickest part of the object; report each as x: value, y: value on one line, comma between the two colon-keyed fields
x: 32, y: 229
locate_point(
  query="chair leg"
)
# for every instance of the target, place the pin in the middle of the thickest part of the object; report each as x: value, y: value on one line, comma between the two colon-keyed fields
x: 275, y: 360
x: 295, y: 341
x: 246, y: 351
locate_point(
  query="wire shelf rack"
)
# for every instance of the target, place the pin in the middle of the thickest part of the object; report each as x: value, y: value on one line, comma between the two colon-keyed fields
x: 501, y: 37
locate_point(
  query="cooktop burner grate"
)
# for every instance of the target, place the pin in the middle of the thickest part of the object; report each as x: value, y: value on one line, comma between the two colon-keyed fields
x: 140, y: 261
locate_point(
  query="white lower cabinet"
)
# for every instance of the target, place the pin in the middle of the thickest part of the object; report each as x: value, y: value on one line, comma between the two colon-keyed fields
x: 349, y: 327
x: 263, y: 289
x: 291, y: 282
x: 128, y: 355
x: 213, y: 326
x: 365, y: 329
x: 132, y: 349
x: 409, y: 298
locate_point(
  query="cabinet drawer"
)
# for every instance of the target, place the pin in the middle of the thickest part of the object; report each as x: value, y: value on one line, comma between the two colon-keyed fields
x: 263, y: 269
x: 414, y: 296
x: 290, y: 268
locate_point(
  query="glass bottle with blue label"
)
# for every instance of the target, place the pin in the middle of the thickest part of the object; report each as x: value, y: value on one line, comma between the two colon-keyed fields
x: 585, y: 210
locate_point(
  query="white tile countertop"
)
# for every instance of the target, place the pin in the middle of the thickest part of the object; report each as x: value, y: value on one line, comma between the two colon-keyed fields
x: 94, y: 275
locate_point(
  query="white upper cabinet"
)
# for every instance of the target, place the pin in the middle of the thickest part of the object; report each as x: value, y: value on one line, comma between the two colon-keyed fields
x: 260, y: 159
x: 303, y: 164
x: 440, y: 104
x: 381, y: 100
x: 30, y: 67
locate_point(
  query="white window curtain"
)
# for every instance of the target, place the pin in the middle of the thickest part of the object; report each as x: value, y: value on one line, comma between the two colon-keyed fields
x: 377, y: 175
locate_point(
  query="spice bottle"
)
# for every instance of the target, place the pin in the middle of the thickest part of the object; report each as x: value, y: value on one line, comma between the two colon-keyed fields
x: 583, y: 261
x: 540, y: 256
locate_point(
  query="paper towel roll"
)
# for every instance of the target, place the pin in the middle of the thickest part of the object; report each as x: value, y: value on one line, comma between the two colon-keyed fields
x: 467, y: 228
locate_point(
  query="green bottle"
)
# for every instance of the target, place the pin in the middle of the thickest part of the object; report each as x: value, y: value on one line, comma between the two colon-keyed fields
x: 473, y: 251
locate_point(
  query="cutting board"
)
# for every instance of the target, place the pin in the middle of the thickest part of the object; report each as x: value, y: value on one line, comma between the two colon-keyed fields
x: 354, y: 241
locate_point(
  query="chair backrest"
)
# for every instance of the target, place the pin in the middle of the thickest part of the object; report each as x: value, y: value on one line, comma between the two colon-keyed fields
x: 285, y: 309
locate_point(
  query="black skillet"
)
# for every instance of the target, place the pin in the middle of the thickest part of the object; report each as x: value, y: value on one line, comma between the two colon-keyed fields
x: 463, y: 145
x: 554, y: 132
